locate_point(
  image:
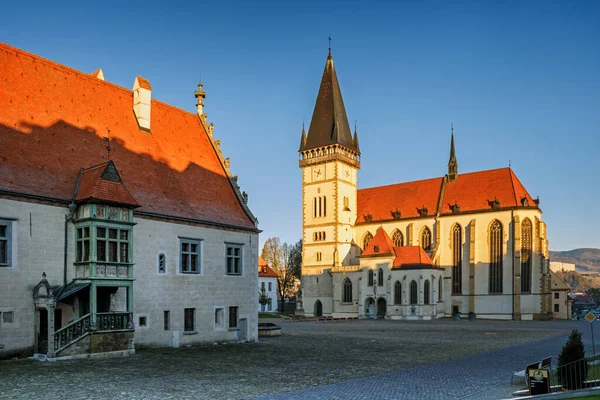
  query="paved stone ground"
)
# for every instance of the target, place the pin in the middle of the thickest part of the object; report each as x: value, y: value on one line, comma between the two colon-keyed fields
x: 396, y: 359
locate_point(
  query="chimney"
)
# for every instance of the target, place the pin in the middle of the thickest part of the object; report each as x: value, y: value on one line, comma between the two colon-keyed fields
x: 98, y: 74
x: 142, y: 94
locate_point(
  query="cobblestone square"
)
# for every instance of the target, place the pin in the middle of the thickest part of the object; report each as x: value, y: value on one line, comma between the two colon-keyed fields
x: 348, y: 354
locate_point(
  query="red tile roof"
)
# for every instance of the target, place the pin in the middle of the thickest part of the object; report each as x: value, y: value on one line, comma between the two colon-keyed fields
x: 471, y: 192
x: 411, y: 256
x: 264, y: 271
x: 52, y: 122
x: 380, y: 245
x: 94, y: 186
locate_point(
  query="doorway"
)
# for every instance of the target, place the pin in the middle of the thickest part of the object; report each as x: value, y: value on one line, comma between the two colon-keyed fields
x: 318, y: 309
x: 381, y: 307
x: 370, y: 307
x: 42, y: 333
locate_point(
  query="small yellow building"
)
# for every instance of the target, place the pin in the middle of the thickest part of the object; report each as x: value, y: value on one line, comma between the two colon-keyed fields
x: 482, y: 231
x: 561, y: 303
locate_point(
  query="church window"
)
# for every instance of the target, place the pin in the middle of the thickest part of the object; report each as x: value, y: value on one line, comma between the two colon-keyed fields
x: 324, y: 206
x: 495, y: 278
x: 414, y: 295
x: 370, y: 280
x: 315, y: 208
x: 526, y: 241
x: 5, y: 243
x: 83, y: 244
x: 398, y: 238
x: 189, y: 320
x: 346, y: 203
x: 456, y: 259
x: 380, y: 277
x: 426, y: 239
x: 190, y: 256
x: 440, y: 290
x: 162, y: 263
x: 347, y: 291
x: 112, y: 245
x: 234, y: 259
x: 397, y: 293
x: 367, y: 240
x: 319, y: 256
x: 426, y: 291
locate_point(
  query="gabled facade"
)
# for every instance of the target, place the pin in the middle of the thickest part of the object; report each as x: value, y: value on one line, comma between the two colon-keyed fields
x: 483, y: 229
x: 267, y: 284
x: 120, y: 221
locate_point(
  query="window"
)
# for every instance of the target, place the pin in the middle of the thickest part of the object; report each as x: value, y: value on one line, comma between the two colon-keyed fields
x: 162, y: 263
x: 440, y: 290
x: 8, y: 317
x: 315, y: 208
x: 414, y: 295
x: 397, y: 293
x: 83, y: 244
x: 370, y: 280
x: 324, y: 206
x: 270, y: 286
x: 347, y: 291
x: 319, y: 236
x: 556, y: 308
x: 426, y: 290
x: 112, y: 244
x: 262, y: 286
x: 398, y: 239
x: 5, y: 243
x: 190, y: 256
x: 219, y: 317
x: 142, y: 322
x: 426, y: 239
x: 167, y: 320
x: 380, y: 277
x: 556, y: 295
x: 233, y: 317
x: 319, y: 256
x: 526, y: 241
x: 495, y: 279
x: 234, y: 260
x: 346, y: 203
x: 456, y: 259
x: 189, y: 320
x: 320, y: 207
x: 367, y: 240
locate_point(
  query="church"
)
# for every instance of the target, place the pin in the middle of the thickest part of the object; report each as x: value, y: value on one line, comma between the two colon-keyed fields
x: 121, y: 223
x: 463, y: 245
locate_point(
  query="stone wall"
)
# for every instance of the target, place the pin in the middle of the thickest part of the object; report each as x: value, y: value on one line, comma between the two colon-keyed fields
x: 103, y: 342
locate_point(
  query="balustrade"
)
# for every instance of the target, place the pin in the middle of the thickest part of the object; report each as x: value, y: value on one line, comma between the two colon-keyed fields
x: 71, y: 332
x: 114, y: 321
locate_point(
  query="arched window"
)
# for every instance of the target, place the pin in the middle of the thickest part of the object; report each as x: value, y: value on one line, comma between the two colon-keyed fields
x: 370, y: 280
x: 456, y: 259
x: 315, y: 208
x: 526, y: 246
x: 397, y: 293
x: 324, y: 206
x: 426, y: 239
x: 367, y: 240
x: 320, y: 206
x: 380, y: 277
x: 398, y: 239
x: 324, y: 236
x: 426, y: 290
x: 414, y: 294
x: 347, y: 291
x: 496, y: 257
x: 440, y: 290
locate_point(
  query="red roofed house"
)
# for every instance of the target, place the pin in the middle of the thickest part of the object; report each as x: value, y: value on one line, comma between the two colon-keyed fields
x: 482, y: 233
x: 267, y: 282
x: 119, y: 215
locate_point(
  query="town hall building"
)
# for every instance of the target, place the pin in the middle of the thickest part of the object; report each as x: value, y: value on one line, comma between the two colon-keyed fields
x: 463, y: 244
x: 121, y: 224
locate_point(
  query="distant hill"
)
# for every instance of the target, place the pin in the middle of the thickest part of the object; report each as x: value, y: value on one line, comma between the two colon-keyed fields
x: 584, y: 259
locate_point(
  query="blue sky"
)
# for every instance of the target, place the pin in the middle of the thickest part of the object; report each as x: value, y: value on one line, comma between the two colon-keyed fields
x: 520, y: 81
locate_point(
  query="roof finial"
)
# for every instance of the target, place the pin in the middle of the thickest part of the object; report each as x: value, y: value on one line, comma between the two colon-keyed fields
x: 107, y: 140
x: 452, y: 163
x: 329, y: 46
x: 508, y: 163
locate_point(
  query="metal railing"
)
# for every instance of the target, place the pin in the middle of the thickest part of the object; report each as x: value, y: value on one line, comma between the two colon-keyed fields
x: 114, y: 321
x: 73, y: 331
x: 580, y: 374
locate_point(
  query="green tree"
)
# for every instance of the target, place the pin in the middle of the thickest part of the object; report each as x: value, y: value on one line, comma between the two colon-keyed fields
x: 263, y: 299
x: 572, y: 365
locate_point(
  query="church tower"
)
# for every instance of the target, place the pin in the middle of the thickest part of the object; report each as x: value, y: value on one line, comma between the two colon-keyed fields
x: 329, y: 157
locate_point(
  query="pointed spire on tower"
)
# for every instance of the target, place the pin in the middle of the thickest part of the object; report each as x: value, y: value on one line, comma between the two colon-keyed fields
x: 302, y: 138
x: 329, y: 124
x: 452, y: 163
x: 355, y: 139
